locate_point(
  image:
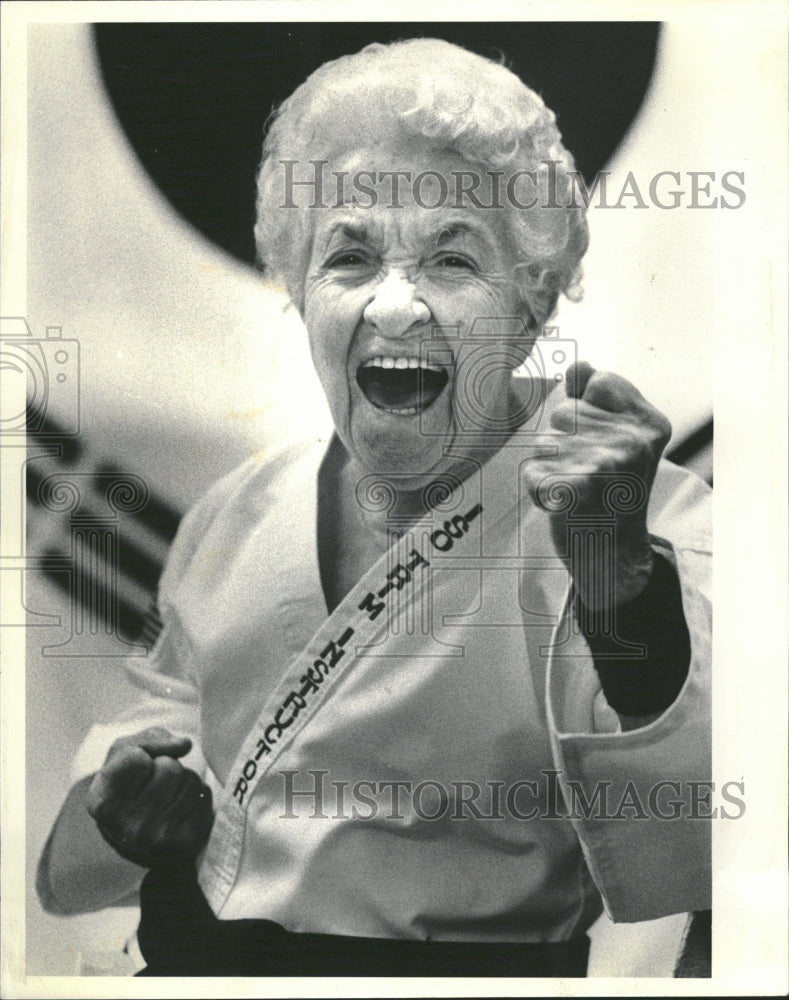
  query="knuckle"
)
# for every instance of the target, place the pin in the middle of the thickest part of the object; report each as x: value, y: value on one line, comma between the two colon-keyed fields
x: 664, y: 428
x: 152, y: 733
x: 603, y: 460
x: 132, y: 832
x: 108, y: 809
x: 126, y: 756
x: 106, y: 814
x: 656, y: 421
x: 564, y: 413
x: 650, y: 443
x: 167, y: 767
x: 603, y: 378
x: 94, y: 798
x: 624, y: 388
x: 117, y: 745
x: 97, y: 807
x: 603, y: 381
x: 628, y: 451
x: 166, y: 786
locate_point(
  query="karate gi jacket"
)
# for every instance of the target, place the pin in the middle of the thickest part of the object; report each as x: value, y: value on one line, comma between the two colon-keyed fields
x: 435, y: 759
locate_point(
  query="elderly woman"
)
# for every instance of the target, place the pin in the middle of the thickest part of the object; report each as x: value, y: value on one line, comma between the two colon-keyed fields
x: 428, y: 698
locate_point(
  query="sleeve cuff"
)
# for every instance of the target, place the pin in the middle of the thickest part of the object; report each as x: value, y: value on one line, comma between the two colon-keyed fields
x: 642, y: 657
x: 630, y: 795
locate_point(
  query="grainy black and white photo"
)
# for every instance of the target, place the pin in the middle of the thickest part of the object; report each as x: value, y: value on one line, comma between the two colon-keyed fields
x: 359, y: 401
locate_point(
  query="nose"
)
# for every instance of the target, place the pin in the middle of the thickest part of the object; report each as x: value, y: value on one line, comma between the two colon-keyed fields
x: 396, y: 308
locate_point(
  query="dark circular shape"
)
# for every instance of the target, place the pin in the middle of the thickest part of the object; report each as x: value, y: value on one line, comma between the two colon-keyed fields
x: 193, y: 98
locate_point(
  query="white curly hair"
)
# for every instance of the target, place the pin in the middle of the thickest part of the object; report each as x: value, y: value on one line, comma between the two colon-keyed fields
x: 457, y: 100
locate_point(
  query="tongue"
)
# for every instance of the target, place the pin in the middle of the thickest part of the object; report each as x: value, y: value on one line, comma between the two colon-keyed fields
x: 401, y: 388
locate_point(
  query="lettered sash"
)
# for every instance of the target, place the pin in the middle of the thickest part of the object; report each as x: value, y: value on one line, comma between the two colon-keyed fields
x: 396, y: 579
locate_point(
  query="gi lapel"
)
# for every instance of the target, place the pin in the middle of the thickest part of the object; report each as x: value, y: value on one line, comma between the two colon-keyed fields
x: 453, y: 525
x: 356, y: 624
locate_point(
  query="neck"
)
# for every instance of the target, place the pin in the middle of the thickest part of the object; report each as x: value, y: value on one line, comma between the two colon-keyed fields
x: 380, y: 503
x: 384, y: 506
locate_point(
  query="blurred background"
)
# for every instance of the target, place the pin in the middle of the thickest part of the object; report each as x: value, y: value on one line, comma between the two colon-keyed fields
x: 178, y: 362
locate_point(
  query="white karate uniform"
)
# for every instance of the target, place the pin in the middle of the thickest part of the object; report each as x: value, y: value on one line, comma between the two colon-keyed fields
x: 453, y: 681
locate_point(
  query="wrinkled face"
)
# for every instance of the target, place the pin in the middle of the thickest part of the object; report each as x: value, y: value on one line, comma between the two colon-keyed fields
x: 379, y: 282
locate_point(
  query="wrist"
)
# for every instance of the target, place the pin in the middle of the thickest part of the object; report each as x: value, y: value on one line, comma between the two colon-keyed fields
x: 646, y: 681
x: 629, y: 576
x: 632, y: 573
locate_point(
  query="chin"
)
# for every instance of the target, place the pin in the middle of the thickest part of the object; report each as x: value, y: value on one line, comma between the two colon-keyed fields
x: 413, y: 467
x: 410, y: 447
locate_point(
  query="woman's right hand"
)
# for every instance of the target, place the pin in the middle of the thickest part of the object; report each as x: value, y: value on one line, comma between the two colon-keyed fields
x: 149, y: 807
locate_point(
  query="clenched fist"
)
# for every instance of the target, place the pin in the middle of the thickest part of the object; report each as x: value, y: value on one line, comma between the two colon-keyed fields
x: 609, y: 451
x: 147, y: 805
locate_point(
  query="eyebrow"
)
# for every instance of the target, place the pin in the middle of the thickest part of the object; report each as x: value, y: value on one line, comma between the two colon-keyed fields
x: 351, y: 230
x: 359, y: 232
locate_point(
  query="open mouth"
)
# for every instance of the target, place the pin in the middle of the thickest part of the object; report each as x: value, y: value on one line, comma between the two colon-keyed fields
x: 403, y: 386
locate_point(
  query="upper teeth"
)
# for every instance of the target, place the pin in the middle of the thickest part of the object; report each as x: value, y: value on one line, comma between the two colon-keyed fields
x: 389, y: 362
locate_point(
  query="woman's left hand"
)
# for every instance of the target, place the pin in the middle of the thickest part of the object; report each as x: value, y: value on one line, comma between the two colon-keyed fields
x: 609, y: 444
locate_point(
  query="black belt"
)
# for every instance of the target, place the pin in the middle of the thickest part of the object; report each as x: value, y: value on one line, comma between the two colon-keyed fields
x: 180, y: 936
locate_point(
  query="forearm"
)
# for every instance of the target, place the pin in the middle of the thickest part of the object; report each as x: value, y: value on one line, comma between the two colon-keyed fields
x: 641, y: 688
x: 79, y: 871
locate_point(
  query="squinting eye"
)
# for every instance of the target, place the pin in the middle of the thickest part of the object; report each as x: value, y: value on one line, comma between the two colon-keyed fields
x: 347, y: 258
x: 453, y: 260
